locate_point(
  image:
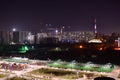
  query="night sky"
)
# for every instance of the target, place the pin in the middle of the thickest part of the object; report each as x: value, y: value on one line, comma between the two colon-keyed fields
x: 77, y: 15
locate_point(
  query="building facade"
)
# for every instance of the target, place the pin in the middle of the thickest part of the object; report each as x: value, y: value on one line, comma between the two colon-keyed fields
x: 5, y: 37
x: 26, y: 37
x: 13, y: 37
x: 69, y: 36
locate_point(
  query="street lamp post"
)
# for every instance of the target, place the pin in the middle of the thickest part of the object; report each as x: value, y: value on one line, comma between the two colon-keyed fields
x: 77, y: 74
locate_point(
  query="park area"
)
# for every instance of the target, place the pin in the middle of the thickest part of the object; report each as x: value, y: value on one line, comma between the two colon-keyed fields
x: 89, y: 66
x: 17, y: 60
x: 53, y: 70
x: 49, y: 73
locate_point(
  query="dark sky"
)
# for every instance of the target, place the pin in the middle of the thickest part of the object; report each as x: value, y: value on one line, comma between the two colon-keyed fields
x: 78, y: 14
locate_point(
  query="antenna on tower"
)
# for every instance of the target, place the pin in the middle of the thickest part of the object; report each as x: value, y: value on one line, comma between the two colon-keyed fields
x: 95, y: 27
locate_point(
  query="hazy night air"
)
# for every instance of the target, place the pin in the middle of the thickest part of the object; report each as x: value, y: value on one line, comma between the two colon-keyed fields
x: 75, y: 15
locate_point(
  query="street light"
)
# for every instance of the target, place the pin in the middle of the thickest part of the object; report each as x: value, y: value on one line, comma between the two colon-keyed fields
x: 77, y: 74
x: 56, y: 31
x: 13, y: 29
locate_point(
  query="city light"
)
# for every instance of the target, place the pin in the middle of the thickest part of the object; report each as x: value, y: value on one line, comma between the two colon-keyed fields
x: 14, y: 29
x: 56, y: 31
x: 117, y: 48
x: 101, y: 49
x: 80, y: 46
x: 29, y: 33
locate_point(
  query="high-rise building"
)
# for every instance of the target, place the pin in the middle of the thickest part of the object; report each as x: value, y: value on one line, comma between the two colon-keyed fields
x: 40, y: 37
x: 78, y: 36
x: 26, y: 37
x: 31, y: 39
x: 4, y: 37
x: 118, y: 41
x: 19, y: 37
x: 73, y: 36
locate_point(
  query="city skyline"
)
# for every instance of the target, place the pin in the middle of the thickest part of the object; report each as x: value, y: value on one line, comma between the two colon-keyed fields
x: 74, y: 15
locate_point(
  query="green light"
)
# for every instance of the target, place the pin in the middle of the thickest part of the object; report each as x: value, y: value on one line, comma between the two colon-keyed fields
x: 72, y: 64
x: 88, y: 66
x: 23, y: 49
x: 26, y: 48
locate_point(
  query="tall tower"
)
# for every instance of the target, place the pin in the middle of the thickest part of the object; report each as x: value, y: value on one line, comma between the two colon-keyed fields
x: 95, y: 27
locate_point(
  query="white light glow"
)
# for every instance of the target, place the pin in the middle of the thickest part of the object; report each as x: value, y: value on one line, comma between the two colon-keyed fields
x: 14, y: 29
x: 56, y: 31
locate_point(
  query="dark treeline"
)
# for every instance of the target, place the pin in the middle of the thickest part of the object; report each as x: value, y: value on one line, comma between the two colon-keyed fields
x: 46, y: 52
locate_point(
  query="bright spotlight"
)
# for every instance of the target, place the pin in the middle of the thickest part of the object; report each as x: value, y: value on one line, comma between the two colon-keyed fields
x: 14, y: 29
x: 56, y: 31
